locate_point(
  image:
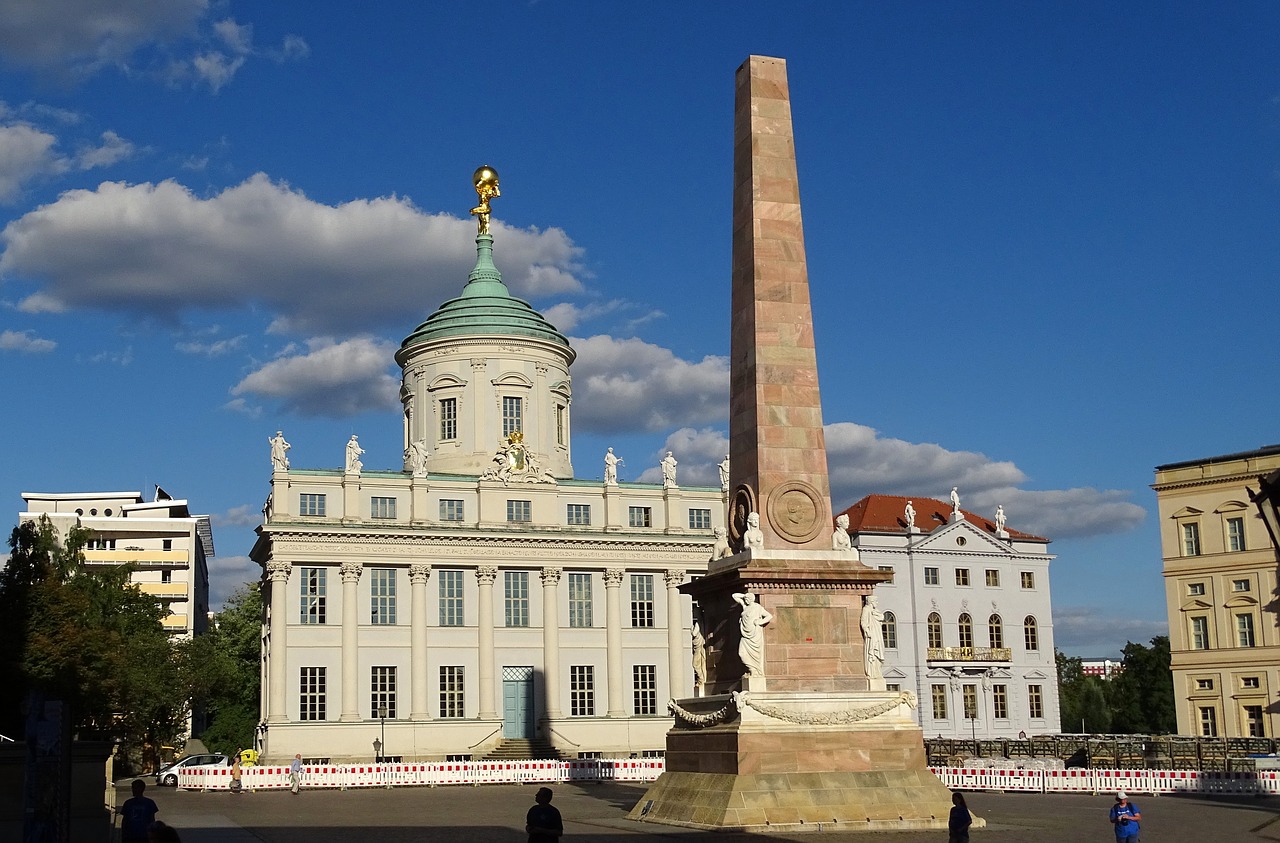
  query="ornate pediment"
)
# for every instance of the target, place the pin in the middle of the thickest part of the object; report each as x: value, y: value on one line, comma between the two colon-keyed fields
x: 962, y: 537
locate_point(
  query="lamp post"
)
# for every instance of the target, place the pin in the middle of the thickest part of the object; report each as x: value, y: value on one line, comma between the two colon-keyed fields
x: 382, y: 715
x: 377, y: 751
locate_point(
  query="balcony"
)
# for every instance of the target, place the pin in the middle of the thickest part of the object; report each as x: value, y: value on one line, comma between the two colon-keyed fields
x: 969, y: 654
x: 164, y: 590
x: 140, y: 558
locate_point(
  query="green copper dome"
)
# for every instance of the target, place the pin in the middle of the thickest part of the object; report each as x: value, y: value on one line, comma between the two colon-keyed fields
x: 486, y: 307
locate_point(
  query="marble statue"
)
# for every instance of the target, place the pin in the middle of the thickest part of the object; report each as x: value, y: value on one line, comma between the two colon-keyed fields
x: 840, y: 537
x: 699, y: 659
x: 279, y: 462
x: 955, y: 500
x: 1000, y: 519
x: 753, y: 537
x: 910, y: 516
x: 724, y: 474
x: 353, y: 456
x: 720, y: 549
x: 611, y: 463
x: 668, y: 471
x: 486, y: 182
x: 416, y: 456
x: 751, y: 625
x: 872, y: 638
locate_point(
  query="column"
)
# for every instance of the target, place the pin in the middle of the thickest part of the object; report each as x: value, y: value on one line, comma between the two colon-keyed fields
x: 551, y: 641
x: 676, y: 663
x: 278, y: 570
x: 613, y: 639
x: 350, y: 572
x: 420, y: 707
x: 485, y: 576
x: 476, y: 410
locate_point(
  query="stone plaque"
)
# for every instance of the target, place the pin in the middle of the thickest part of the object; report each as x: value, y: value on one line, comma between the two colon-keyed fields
x: 793, y: 511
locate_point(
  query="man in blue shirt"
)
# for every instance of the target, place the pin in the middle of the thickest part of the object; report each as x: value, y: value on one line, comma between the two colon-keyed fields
x: 136, y: 815
x: 543, y: 821
x: 1125, y: 816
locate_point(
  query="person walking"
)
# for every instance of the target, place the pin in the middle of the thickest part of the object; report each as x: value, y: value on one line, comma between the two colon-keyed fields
x: 236, y: 784
x: 1125, y: 816
x: 959, y: 821
x: 295, y: 774
x: 137, y: 814
x: 543, y: 822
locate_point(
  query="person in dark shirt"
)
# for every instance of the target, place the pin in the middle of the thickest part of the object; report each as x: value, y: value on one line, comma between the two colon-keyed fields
x: 543, y: 821
x: 960, y: 820
x: 136, y: 815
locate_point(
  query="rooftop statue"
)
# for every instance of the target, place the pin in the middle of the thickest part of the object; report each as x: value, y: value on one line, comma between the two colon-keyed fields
x: 486, y: 182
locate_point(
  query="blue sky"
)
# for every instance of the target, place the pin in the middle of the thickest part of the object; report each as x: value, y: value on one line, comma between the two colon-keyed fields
x: 1041, y: 238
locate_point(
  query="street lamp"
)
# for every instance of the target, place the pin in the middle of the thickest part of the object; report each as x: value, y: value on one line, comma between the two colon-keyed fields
x: 377, y: 750
x: 382, y: 715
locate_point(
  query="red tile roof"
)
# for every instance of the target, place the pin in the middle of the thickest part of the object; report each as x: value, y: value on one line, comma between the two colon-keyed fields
x: 884, y: 514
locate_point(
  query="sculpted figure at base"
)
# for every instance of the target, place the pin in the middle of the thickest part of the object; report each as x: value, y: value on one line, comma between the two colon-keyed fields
x: 872, y: 638
x: 1000, y: 519
x: 751, y: 626
x: 354, y: 451
x: 955, y: 500
x: 724, y: 474
x: 909, y: 515
x: 668, y: 471
x: 611, y: 463
x: 753, y: 536
x: 840, y: 538
x: 279, y: 462
x: 416, y: 456
x: 720, y: 549
x: 699, y: 659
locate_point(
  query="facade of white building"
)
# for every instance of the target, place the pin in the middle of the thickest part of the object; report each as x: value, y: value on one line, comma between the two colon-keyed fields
x: 968, y: 625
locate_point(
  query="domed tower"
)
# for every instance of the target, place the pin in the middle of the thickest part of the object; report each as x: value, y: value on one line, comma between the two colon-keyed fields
x: 486, y: 370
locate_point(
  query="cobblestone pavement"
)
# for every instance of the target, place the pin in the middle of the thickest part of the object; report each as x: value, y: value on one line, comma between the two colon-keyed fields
x: 596, y: 812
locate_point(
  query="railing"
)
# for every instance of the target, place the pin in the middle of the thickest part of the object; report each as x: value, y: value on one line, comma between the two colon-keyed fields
x: 969, y: 654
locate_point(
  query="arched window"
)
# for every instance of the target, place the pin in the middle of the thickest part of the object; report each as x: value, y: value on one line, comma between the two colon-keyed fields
x: 996, y: 627
x: 889, y: 629
x: 935, y: 631
x: 1030, y: 633
x: 966, y: 631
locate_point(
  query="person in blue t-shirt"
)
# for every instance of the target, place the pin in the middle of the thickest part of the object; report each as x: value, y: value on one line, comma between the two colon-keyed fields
x: 543, y: 821
x: 136, y: 815
x: 1125, y: 816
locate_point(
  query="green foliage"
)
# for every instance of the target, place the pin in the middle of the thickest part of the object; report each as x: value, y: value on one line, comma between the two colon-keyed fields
x: 1082, y: 699
x: 221, y: 670
x: 1141, y: 696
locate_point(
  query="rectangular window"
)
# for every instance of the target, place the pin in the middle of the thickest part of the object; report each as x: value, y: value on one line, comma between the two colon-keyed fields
x: 512, y: 415
x: 515, y: 593
x: 962, y: 576
x: 930, y: 576
x: 382, y: 692
x: 448, y: 419
x: 382, y: 507
x: 450, y: 510
x: 1028, y: 579
x: 889, y: 631
x: 562, y: 427
x: 311, y: 694
x: 699, y: 519
x: 970, y: 701
x: 1199, y: 633
x: 313, y: 582
x: 166, y: 576
x: 310, y: 504
x: 1196, y: 589
x: 1035, y: 702
x: 382, y: 596
x: 1208, y: 721
x: 582, y: 690
x: 1250, y: 682
x: 166, y: 544
x: 580, y: 600
x: 519, y: 511
x: 1000, y: 701
x: 1235, y: 534
x: 642, y: 600
x: 1253, y: 721
x: 1191, y: 539
x: 640, y: 516
x: 1204, y: 684
x: 892, y: 687
x: 1244, y: 630
x: 939, y: 702
x: 452, y: 687
x: 578, y: 515
x: 644, y: 683
x: 993, y: 578
x: 450, y: 598
x: 1239, y: 585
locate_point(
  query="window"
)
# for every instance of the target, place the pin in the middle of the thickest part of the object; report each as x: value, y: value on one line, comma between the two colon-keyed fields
x: 166, y: 544
x: 995, y: 630
x: 1253, y: 721
x: 448, y: 419
x: 962, y: 576
x: 1000, y: 702
x: 580, y: 600
x: 309, y: 504
x: 452, y: 686
x: 582, y: 690
x: 966, y: 631
x: 1191, y: 539
x: 970, y: 701
x: 166, y: 576
x: 382, y: 595
x: 930, y: 576
x: 1235, y: 534
x: 1035, y: 702
x: 1196, y: 589
x: 935, y: 631
x: 1208, y: 721
x: 382, y: 507
x: 1028, y: 579
x: 642, y: 600
x: 311, y: 694
x: 1199, y: 632
x: 1249, y: 682
x: 382, y: 691
x: 313, y: 594
x: 1030, y: 634
x: 561, y: 427
x: 515, y: 592
x: 889, y: 631
x: 640, y: 516
x: 100, y: 544
x: 450, y: 510
x: 699, y: 519
x: 578, y: 515
x: 1204, y: 684
x: 892, y: 687
x: 519, y: 511
x: 993, y: 578
x: 450, y: 598
x: 939, y: 702
x: 1239, y: 585
x: 512, y: 415
x: 644, y: 682
x: 1244, y: 630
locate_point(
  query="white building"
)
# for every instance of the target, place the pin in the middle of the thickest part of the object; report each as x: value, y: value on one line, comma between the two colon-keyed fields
x: 481, y: 593
x: 168, y: 547
x: 968, y: 626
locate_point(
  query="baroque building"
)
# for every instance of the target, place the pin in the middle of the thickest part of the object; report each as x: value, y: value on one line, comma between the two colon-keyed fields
x: 1220, y: 586
x: 481, y: 593
x: 967, y: 626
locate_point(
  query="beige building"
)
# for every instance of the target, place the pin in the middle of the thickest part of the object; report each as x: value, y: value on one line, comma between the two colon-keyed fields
x: 1220, y: 587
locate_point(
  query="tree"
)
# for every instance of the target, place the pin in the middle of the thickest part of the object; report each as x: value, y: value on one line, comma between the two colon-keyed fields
x: 222, y: 671
x: 1082, y: 699
x: 1141, y: 696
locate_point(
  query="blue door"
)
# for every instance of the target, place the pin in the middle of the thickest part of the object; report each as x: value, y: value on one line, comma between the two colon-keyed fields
x: 517, y: 702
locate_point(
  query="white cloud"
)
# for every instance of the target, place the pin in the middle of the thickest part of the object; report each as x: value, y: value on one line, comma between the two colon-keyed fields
x: 121, y: 357
x: 213, y: 348
x: 160, y: 249
x: 244, y: 515
x: 698, y: 454
x: 1101, y: 633
x: 113, y: 149
x: 215, y: 68
x: 227, y: 574
x: 237, y: 38
x: 1063, y: 513
x: 25, y: 342
x: 26, y: 152
x: 330, y: 379
x: 293, y: 47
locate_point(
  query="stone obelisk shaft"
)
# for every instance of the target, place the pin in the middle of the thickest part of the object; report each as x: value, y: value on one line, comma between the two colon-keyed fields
x: 778, y: 458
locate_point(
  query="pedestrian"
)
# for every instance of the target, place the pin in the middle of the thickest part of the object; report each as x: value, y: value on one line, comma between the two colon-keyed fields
x: 959, y: 821
x: 295, y: 774
x: 137, y: 814
x: 1125, y: 816
x: 236, y: 784
x: 161, y: 833
x: 543, y: 821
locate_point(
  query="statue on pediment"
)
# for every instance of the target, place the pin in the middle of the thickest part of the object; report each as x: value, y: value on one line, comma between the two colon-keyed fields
x: 514, y: 462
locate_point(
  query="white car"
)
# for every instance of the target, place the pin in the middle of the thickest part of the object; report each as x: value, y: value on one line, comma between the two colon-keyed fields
x: 168, y: 776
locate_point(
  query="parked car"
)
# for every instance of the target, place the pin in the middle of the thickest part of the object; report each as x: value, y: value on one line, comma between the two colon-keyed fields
x: 168, y: 776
